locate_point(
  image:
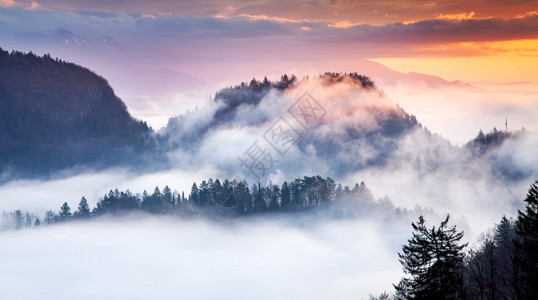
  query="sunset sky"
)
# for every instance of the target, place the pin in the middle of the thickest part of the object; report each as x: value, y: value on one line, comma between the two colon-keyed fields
x: 473, y: 41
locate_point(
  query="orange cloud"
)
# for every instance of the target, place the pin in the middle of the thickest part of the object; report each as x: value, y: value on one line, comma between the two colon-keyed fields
x: 527, y: 14
x: 523, y: 48
x: 263, y: 17
x: 457, y: 17
x: 343, y: 24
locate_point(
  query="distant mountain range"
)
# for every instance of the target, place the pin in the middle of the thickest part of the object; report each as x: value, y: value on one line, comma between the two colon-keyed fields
x: 71, y: 40
x: 56, y: 115
x: 131, y: 69
x: 387, y: 76
x: 127, y: 69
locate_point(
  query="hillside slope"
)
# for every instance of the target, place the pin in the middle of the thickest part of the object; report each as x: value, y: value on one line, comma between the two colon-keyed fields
x: 55, y: 115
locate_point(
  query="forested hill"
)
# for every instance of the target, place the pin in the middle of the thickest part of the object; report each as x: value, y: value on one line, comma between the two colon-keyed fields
x: 357, y: 126
x: 55, y: 114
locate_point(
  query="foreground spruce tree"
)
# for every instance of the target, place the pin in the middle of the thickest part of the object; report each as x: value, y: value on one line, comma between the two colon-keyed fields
x: 433, y: 260
x: 527, y: 246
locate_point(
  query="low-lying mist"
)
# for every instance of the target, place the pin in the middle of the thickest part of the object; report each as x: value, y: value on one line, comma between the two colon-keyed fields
x: 141, y: 257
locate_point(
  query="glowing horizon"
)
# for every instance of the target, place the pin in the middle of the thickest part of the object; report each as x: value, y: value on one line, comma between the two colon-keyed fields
x: 492, y: 43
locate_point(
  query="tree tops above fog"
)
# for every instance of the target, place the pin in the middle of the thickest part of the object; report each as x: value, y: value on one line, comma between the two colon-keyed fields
x: 484, y: 142
x: 255, y: 87
x: 227, y: 198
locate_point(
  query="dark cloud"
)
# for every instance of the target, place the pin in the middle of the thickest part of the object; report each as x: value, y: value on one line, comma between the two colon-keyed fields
x: 372, y: 12
x: 220, y: 30
x: 199, y: 28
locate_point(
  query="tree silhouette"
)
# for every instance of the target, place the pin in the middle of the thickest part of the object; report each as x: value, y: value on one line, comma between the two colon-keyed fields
x: 65, y: 213
x: 527, y: 248
x: 18, y: 220
x: 83, y: 211
x: 433, y: 259
x: 194, y: 196
x: 285, y: 204
x: 50, y: 217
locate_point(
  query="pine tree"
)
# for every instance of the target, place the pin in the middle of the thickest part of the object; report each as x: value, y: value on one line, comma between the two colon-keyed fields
x: 259, y: 204
x: 217, y: 193
x: 18, y: 219
x: 155, y: 202
x: 296, y: 195
x: 83, y: 211
x: 27, y: 220
x: 433, y: 259
x: 228, y: 196
x: 266, y: 83
x: 339, y: 193
x: 331, y: 188
x: 167, y: 196
x: 50, y: 217
x: 509, y: 268
x: 65, y: 212
x: 244, y: 198
x: 481, y: 137
x: 275, y: 198
x: 204, y: 193
x: 285, y: 203
x: 194, y: 196
x: 527, y: 247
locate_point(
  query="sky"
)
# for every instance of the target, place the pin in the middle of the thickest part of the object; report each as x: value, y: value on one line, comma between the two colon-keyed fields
x: 472, y: 41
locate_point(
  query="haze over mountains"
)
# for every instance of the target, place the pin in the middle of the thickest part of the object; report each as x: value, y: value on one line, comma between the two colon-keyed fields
x: 59, y: 115
x: 133, y: 71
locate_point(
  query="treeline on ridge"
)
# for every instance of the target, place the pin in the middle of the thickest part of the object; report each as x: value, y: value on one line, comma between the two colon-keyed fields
x: 229, y: 198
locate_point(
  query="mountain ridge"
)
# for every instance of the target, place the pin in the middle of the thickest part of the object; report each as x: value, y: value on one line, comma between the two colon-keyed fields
x: 57, y: 114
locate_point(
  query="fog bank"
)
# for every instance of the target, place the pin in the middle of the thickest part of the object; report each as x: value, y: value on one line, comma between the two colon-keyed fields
x: 169, y: 259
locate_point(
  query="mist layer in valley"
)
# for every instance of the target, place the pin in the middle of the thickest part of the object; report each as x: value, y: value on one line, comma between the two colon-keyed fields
x: 166, y: 258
